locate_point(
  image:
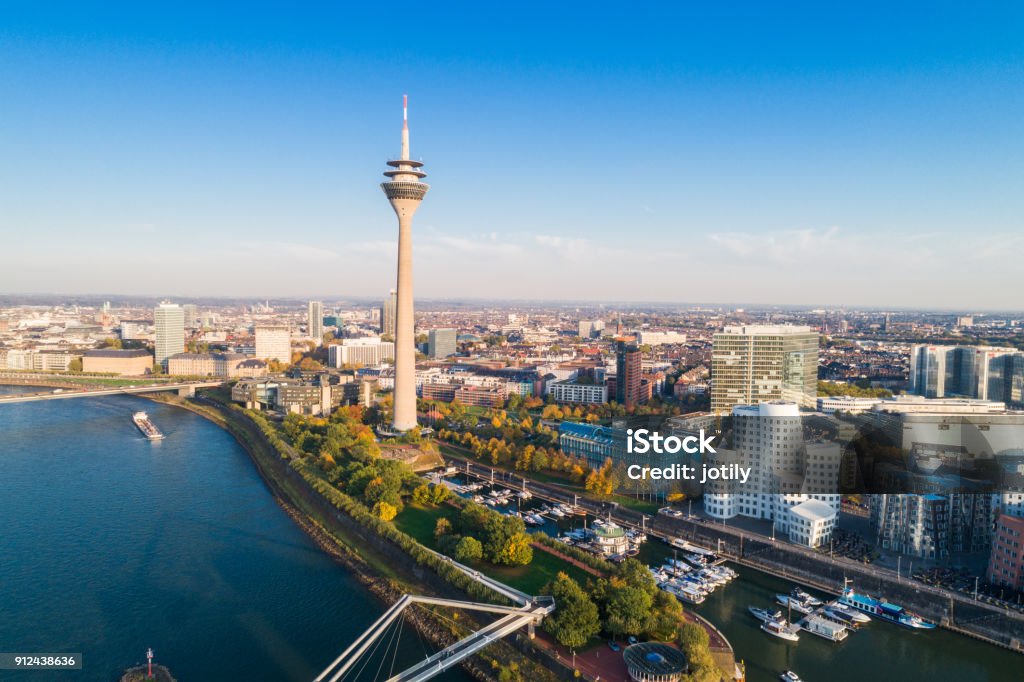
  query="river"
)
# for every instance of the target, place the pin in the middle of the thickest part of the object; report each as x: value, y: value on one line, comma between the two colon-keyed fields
x: 112, y: 544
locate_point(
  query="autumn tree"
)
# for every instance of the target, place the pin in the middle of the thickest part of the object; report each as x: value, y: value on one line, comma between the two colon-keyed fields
x: 442, y: 527
x: 385, y: 511
x: 576, y: 617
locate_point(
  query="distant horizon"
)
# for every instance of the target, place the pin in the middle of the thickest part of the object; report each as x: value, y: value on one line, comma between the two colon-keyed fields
x: 732, y: 306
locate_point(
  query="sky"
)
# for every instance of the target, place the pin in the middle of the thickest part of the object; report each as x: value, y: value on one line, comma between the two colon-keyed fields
x: 849, y: 155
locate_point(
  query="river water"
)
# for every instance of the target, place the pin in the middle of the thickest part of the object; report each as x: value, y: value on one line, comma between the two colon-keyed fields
x: 112, y: 544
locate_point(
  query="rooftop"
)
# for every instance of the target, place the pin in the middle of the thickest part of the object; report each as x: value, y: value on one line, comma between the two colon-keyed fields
x: 814, y: 510
x: 116, y: 353
x: 654, y: 658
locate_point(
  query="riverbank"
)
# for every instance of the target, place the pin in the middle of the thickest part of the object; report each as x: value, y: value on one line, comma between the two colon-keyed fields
x: 382, y: 568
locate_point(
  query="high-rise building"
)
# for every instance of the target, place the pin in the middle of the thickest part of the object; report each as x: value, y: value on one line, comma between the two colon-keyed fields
x: 793, y: 483
x: 751, y: 364
x: 387, y: 314
x: 274, y: 342
x: 587, y: 329
x: 169, y: 321
x: 315, y: 321
x: 191, y: 315
x: 982, y: 372
x: 441, y: 343
x: 405, y: 191
x: 628, y: 370
x: 934, y: 525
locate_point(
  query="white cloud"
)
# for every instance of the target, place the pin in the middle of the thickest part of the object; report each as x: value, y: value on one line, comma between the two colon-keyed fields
x: 490, y: 245
x: 787, y: 247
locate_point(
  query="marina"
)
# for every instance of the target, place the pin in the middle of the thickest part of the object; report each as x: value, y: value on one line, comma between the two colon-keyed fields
x: 938, y: 654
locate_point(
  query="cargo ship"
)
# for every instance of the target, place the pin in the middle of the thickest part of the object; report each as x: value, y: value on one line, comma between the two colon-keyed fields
x: 141, y: 420
x: 894, y: 613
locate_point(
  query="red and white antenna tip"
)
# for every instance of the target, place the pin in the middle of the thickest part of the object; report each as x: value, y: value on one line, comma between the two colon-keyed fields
x: 405, y: 107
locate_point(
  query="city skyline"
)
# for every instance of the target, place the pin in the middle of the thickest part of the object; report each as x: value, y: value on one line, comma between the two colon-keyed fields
x: 811, y: 165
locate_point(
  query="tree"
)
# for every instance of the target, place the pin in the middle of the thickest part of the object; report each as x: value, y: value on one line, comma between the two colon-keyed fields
x: 627, y: 610
x: 421, y: 495
x: 695, y: 643
x: 517, y: 551
x: 385, y: 511
x: 439, y: 493
x: 310, y: 364
x: 576, y: 618
x: 442, y: 527
x: 468, y: 550
x: 111, y: 343
x: 665, y: 617
x: 75, y: 365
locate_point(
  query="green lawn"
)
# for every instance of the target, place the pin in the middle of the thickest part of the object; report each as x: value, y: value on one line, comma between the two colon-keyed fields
x: 419, y: 522
x: 539, y: 572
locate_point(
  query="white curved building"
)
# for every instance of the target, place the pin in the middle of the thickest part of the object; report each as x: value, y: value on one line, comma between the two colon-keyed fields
x: 785, y: 473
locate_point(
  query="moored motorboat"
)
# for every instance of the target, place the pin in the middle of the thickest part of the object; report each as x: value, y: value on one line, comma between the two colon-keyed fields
x: 764, y: 614
x: 781, y: 629
x: 794, y: 603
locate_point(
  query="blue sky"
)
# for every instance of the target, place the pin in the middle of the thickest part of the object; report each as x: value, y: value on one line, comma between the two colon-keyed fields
x: 860, y: 155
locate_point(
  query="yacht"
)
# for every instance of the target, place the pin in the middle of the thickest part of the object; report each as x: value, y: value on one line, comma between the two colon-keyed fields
x: 794, y: 603
x: 781, y: 629
x: 765, y: 615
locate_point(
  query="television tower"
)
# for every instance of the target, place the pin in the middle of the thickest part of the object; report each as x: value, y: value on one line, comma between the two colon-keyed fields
x: 405, y: 192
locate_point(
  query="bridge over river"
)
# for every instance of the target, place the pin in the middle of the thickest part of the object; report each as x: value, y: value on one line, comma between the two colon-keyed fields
x: 69, y: 390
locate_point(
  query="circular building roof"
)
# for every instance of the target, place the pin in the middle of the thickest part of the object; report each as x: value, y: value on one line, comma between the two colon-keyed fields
x: 654, y: 658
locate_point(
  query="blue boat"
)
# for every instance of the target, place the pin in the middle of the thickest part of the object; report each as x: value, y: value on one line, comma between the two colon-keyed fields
x: 894, y: 613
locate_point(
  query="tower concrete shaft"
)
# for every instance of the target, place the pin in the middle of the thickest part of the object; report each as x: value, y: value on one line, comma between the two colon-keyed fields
x: 405, y: 191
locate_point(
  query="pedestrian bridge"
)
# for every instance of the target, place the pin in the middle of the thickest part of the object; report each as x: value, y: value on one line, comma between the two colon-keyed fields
x: 527, y: 612
x: 184, y: 388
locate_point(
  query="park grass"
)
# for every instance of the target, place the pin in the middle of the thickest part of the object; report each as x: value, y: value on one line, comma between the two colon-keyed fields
x: 538, y: 573
x: 418, y: 522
